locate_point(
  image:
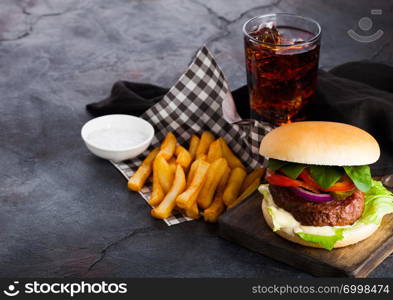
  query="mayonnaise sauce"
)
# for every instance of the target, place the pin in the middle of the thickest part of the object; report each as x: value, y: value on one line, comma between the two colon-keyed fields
x: 115, y: 138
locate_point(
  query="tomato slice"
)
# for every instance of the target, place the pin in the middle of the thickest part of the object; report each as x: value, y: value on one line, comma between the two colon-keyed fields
x: 306, y: 177
x: 342, y: 186
x: 282, y: 180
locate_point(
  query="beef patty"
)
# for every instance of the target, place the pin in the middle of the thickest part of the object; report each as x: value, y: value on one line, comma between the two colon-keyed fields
x: 332, y: 213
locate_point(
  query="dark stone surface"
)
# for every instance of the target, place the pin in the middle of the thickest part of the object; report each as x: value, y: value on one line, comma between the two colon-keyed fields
x: 66, y: 213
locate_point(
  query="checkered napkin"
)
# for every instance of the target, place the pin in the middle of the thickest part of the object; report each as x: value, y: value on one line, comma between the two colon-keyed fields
x: 200, y: 100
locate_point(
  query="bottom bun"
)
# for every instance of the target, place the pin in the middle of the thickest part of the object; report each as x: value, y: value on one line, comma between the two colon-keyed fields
x: 353, y: 237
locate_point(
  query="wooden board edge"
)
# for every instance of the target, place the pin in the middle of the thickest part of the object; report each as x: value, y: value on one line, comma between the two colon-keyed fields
x: 373, y: 261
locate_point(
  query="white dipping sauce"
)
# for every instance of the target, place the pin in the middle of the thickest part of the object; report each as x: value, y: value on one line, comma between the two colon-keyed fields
x: 116, y: 138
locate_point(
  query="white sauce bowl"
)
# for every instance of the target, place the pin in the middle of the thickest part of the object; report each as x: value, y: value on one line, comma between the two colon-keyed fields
x: 117, y: 137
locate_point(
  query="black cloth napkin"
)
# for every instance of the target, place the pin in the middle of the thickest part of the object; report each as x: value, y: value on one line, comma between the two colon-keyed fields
x: 130, y: 98
x: 357, y: 93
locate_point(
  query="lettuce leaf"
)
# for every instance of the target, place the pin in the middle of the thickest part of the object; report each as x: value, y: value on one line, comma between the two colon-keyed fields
x: 325, y: 176
x: 270, y: 211
x: 293, y: 170
x: 361, y: 176
x: 275, y: 164
x: 378, y: 201
x: 326, y: 242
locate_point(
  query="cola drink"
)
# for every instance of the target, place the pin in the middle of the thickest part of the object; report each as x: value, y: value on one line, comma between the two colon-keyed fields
x: 282, y: 55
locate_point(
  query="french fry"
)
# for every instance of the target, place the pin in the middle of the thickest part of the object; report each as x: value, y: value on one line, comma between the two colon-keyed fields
x: 183, y: 157
x: 187, y: 199
x: 216, y: 170
x: 227, y: 153
x: 138, y: 179
x: 172, y: 164
x: 206, y: 139
x: 192, y: 212
x: 257, y: 173
x: 191, y: 172
x: 157, y: 193
x: 194, y: 142
x: 164, y: 172
x: 177, y: 149
x: 215, y: 151
x: 165, y: 208
x: 212, y: 213
x: 193, y: 168
x: 168, y: 146
x: 203, y: 157
x: 247, y: 192
x: 234, y: 184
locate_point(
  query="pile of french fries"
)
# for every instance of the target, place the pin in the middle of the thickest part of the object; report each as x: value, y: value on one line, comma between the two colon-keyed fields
x: 207, y: 178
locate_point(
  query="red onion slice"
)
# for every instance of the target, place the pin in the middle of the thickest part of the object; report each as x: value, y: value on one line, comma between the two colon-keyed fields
x: 310, y: 196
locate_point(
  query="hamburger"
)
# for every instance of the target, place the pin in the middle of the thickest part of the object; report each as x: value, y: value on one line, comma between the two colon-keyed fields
x: 320, y: 192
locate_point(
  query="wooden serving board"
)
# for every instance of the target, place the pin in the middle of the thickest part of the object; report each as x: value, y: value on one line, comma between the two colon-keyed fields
x: 245, y: 225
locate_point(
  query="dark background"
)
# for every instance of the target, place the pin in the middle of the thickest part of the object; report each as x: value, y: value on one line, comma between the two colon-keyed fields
x: 64, y: 212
